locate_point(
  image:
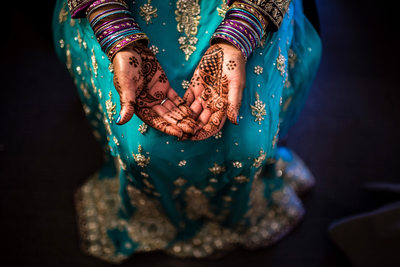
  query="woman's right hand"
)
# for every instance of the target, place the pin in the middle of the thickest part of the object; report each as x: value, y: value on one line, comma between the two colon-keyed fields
x: 143, y: 87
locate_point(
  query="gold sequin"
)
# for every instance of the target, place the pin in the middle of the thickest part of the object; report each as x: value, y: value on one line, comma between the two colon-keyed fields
x: 258, y: 110
x: 180, y: 181
x: 217, y: 169
x: 116, y: 141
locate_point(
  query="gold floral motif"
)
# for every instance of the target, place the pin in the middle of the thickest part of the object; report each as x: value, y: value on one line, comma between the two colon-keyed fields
x: 143, y: 128
x: 154, y: 49
x: 78, y: 38
x: 217, y: 169
x: 237, y: 164
x: 187, y: 16
x: 62, y: 16
x: 141, y: 160
x: 94, y: 63
x: 258, y: 70
x: 222, y: 10
x: 197, y: 205
x: 147, y: 12
x: 280, y: 62
x: 185, y: 84
x: 180, y: 181
x: 98, y: 202
x: 110, y: 108
x: 260, y: 159
x: 258, y: 110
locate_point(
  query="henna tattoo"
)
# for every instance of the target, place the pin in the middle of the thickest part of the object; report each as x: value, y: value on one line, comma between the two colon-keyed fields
x: 231, y: 65
x: 134, y: 61
x: 215, y: 93
x: 162, y: 78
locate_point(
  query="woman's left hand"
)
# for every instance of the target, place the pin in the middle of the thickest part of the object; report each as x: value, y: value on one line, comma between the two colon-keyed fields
x: 216, y: 89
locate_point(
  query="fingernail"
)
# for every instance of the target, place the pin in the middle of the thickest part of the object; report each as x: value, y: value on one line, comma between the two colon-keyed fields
x: 118, y: 119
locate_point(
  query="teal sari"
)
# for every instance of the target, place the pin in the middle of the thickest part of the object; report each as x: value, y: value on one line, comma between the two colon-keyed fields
x: 189, y: 198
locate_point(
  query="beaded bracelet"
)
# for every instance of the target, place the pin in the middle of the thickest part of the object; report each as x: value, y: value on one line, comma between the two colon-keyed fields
x: 114, y: 28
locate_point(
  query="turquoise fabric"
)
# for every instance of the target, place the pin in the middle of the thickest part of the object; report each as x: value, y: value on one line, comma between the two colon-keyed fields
x: 177, y: 197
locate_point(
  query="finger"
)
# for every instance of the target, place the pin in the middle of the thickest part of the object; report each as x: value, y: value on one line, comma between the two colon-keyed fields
x: 175, y: 117
x: 179, y: 102
x: 154, y: 120
x: 127, y: 95
x: 215, y: 124
x: 235, y: 95
x: 197, y: 107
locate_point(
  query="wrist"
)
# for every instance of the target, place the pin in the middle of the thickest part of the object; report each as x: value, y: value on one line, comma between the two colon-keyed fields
x: 114, y: 26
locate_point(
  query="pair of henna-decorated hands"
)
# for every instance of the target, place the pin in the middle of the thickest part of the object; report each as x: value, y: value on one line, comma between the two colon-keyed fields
x: 214, y: 93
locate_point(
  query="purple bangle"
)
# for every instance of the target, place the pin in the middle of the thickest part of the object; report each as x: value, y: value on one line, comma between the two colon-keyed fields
x: 126, y: 41
x: 243, y: 30
x: 115, y: 27
x: 255, y: 24
x: 113, y: 21
x: 238, y: 34
x: 105, y: 12
x: 97, y: 4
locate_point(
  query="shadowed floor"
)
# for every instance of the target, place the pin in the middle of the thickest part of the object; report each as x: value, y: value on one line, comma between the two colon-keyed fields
x: 347, y: 134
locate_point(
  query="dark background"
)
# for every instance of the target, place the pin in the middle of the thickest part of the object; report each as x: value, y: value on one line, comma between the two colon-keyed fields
x: 347, y: 134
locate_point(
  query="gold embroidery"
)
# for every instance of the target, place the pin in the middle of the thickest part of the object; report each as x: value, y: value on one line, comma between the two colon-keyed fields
x: 69, y: 59
x: 141, y: 160
x: 185, y: 84
x: 187, y: 16
x: 222, y: 10
x: 260, y: 159
x: 217, y: 169
x: 280, y: 62
x: 287, y: 104
x: 197, y: 204
x: 154, y: 49
x: 78, y: 38
x: 275, y: 140
x: 241, y: 179
x: 62, y: 16
x: 116, y: 141
x: 180, y: 181
x: 258, y: 70
x: 61, y: 43
x: 258, y: 110
x: 257, y: 202
x: 147, y: 12
x: 143, y: 128
x: 110, y: 107
x: 237, y: 164
x: 94, y: 63
x: 182, y: 163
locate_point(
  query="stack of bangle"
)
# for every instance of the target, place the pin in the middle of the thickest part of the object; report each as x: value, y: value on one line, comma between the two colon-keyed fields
x: 243, y: 26
x: 115, y: 27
